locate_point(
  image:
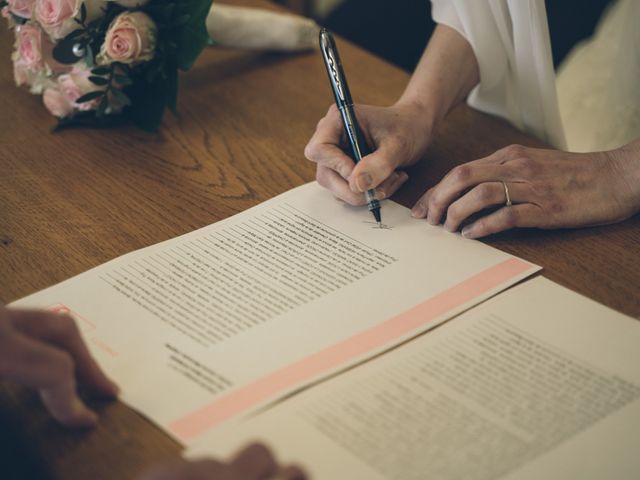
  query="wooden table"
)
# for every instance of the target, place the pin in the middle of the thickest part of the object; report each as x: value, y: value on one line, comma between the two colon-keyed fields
x: 72, y: 200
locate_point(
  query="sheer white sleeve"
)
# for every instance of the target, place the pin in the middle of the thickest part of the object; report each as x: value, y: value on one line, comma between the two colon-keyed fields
x: 510, y: 39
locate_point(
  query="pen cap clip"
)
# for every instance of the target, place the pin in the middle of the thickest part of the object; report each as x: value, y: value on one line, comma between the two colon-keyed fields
x: 334, y: 68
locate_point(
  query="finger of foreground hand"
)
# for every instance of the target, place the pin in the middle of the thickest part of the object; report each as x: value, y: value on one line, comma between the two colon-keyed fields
x: 456, y: 182
x: 290, y: 473
x: 524, y: 215
x: 420, y: 209
x: 62, y: 331
x: 189, y: 470
x: 481, y: 197
x: 51, y: 371
x: 254, y: 462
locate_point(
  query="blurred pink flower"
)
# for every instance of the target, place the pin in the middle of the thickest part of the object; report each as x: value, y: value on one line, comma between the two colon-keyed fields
x: 56, y: 102
x: 21, y: 8
x: 56, y: 16
x: 75, y: 84
x: 29, y: 46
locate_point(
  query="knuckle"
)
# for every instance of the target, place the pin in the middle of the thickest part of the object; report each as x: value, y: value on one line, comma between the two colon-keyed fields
x: 435, y: 203
x: 461, y: 173
x: 453, y: 213
x: 515, y: 151
x: 484, y: 193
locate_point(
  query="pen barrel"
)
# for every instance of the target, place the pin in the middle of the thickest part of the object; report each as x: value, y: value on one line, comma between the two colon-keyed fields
x: 359, y: 147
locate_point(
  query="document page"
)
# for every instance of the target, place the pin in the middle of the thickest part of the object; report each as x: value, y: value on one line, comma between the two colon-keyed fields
x: 213, y: 324
x: 538, y: 382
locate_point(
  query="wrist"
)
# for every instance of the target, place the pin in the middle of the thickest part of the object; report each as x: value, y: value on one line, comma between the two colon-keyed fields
x: 425, y: 110
x: 626, y: 165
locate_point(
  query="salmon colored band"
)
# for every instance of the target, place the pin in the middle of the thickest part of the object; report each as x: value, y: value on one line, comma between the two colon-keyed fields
x: 244, y: 398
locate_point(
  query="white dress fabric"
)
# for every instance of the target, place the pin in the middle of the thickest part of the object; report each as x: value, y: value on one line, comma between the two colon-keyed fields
x: 510, y: 39
x: 599, y: 83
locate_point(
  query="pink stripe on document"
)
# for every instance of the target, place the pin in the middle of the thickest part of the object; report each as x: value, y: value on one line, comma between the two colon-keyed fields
x: 269, y: 386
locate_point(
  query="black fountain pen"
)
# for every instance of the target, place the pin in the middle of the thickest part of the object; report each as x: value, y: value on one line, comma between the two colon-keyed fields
x: 338, y: 82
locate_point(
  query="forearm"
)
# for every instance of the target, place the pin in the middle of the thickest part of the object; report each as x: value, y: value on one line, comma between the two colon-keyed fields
x: 446, y: 73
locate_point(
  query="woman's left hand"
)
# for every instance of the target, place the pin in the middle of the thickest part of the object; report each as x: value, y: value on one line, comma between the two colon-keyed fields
x: 546, y: 188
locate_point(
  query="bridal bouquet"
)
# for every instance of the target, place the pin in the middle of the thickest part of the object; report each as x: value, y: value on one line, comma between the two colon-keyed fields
x: 96, y: 61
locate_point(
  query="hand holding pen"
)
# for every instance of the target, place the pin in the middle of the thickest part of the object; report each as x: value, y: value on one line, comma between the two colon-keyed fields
x: 399, y: 136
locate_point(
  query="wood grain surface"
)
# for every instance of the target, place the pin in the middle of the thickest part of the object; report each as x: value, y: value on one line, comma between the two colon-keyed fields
x: 75, y: 199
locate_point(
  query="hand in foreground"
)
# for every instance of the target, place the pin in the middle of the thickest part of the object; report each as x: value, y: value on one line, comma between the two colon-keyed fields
x: 548, y: 189
x: 400, y: 135
x: 45, y: 351
x: 253, y: 463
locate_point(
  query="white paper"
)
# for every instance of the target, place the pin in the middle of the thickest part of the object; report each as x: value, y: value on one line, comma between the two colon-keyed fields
x: 210, y: 315
x: 538, y: 382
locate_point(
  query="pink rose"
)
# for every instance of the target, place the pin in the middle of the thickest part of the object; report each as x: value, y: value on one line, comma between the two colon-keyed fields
x: 21, y: 8
x: 21, y: 74
x: 76, y: 83
x: 29, y: 46
x: 56, y: 16
x: 56, y: 102
x: 131, y: 38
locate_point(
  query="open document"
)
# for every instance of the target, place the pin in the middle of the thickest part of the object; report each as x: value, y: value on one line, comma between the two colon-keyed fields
x: 211, y: 325
x: 536, y: 383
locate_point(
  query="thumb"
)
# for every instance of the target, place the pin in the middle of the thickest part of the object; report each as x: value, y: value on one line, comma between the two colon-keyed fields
x: 373, y: 169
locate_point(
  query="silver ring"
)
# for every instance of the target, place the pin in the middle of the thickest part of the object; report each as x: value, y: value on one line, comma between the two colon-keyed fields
x: 506, y: 194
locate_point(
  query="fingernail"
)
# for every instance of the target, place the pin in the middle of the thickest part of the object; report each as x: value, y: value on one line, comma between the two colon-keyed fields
x: 364, y: 181
x: 404, y: 176
x: 448, y: 227
x: 380, y: 194
x: 431, y: 218
x: 467, y: 232
x: 419, y: 210
x: 82, y: 411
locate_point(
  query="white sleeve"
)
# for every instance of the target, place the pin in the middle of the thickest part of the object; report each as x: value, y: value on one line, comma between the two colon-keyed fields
x: 510, y: 39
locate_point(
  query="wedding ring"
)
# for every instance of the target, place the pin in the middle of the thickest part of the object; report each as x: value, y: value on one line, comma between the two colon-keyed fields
x: 507, y: 203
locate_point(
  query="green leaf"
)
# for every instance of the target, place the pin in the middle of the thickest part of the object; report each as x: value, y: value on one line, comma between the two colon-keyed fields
x: 192, y: 37
x: 98, y: 80
x: 123, y: 80
x: 102, y: 108
x: 121, y: 97
x: 182, y: 20
x: 88, y: 56
x: 87, y: 97
x: 101, y: 70
x: 83, y: 13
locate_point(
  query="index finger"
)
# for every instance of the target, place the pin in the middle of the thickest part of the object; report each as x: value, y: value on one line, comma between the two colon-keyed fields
x: 61, y: 331
x: 324, y: 147
x: 254, y: 462
x: 50, y: 371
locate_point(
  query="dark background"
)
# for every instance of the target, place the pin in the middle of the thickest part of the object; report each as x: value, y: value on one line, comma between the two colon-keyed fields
x: 398, y: 30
